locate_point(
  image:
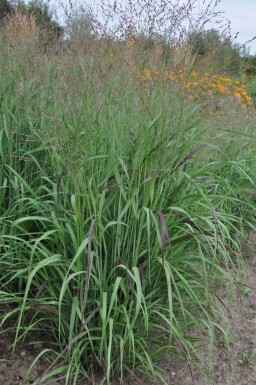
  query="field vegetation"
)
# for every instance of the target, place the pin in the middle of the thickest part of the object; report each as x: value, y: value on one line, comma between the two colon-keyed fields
x: 127, y: 183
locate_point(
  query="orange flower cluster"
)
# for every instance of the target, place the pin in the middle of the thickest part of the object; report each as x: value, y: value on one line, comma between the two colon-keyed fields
x: 198, y: 85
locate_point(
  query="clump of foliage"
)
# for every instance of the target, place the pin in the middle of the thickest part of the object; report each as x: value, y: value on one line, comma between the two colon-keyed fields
x: 6, y: 9
x: 36, y: 12
x: 40, y: 10
x: 121, y: 211
x: 220, y: 48
x: 250, y: 65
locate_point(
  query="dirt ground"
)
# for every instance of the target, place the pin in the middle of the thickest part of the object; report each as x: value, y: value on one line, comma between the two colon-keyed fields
x: 237, y: 364
x: 233, y: 366
x: 13, y: 367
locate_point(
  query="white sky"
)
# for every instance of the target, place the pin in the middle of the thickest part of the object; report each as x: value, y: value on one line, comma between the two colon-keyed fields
x: 241, y: 13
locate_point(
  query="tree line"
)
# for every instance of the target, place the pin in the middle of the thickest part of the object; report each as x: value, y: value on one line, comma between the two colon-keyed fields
x: 204, y: 43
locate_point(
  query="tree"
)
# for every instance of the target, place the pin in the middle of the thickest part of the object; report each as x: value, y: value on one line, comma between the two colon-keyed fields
x: 250, y: 65
x: 203, y: 42
x: 217, y: 46
x: 43, y: 15
x: 6, y: 9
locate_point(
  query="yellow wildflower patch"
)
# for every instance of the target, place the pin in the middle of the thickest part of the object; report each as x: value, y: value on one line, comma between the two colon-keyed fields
x: 197, y: 85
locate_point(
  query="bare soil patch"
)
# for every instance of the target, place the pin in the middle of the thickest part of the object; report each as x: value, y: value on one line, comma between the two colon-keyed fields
x: 235, y: 365
x: 14, y: 366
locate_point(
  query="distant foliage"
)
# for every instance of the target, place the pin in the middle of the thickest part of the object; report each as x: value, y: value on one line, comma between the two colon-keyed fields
x: 80, y: 23
x: 250, y: 65
x: 42, y: 14
x: 49, y: 30
x: 220, y: 47
x: 6, y: 9
x: 199, y: 85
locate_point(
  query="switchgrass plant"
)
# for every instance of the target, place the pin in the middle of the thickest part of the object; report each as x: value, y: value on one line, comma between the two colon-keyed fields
x: 122, y: 213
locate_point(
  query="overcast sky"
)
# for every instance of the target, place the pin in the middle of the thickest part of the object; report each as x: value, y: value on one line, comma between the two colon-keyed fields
x: 241, y: 13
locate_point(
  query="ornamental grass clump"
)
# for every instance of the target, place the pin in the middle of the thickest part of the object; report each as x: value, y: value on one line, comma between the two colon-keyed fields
x: 122, y: 213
